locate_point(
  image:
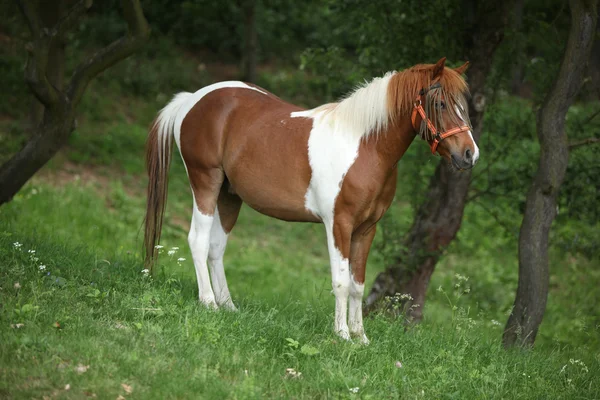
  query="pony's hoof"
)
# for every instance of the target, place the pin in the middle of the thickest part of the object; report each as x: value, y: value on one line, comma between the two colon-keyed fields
x: 229, y: 306
x: 209, y: 302
x: 362, y: 339
x: 344, y: 334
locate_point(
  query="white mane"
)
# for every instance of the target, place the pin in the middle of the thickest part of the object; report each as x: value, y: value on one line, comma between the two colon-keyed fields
x: 361, y: 114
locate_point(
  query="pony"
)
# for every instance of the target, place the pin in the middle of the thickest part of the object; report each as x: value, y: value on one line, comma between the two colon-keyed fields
x: 334, y: 164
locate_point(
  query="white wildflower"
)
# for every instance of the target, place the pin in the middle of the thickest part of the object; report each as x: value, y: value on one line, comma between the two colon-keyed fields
x: 17, y: 245
x: 146, y: 272
x: 180, y: 259
x: 171, y: 252
x: 292, y: 373
x: 31, y: 251
x: 17, y: 285
x: 405, y: 296
x: 398, y: 364
x: 159, y: 246
x: 80, y: 369
x: 354, y: 390
x: 42, y: 267
x: 562, y: 370
x: 175, y: 248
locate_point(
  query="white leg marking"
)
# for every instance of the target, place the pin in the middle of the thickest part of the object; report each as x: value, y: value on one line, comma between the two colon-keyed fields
x: 355, y: 319
x: 340, y: 281
x: 218, y: 242
x: 199, y: 244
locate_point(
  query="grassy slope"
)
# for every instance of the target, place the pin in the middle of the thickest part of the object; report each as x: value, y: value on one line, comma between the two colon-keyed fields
x: 152, y: 335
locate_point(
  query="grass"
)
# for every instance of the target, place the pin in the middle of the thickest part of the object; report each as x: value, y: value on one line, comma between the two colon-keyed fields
x: 95, y: 324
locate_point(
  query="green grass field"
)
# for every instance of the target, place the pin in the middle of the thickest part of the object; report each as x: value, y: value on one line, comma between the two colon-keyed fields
x: 90, y: 321
x: 79, y: 319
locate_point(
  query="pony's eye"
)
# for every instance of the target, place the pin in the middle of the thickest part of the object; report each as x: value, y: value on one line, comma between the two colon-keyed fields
x: 442, y: 105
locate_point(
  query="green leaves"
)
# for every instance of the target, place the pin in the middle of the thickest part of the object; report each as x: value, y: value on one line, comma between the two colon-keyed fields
x: 309, y: 350
x: 306, y: 349
x: 292, y: 343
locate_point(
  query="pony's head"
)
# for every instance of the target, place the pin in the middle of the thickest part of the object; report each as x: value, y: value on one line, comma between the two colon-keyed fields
x: 434, y: 95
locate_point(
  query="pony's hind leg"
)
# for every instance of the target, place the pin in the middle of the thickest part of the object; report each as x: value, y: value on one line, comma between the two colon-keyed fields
x: 226, y: 214
x: 205, y: 188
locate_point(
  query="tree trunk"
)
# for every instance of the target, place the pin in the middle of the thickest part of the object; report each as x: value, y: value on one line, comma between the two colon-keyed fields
x: 438, y: 219
x: 59, y: 115
x: 540, y: 208
x: 249, y: 58
x: 49, y: 14
x: 39, y: 149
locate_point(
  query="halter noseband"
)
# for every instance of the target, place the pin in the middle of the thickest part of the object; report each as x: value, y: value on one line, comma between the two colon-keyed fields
x: 437, y: 136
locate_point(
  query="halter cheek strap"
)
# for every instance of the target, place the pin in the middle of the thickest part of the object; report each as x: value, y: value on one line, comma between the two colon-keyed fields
x: 437, y: 136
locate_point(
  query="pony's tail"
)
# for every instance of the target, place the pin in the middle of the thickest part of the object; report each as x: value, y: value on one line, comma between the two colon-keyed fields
x: 158, y: 158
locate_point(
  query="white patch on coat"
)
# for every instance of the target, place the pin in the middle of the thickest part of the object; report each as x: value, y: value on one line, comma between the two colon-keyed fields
x: 330, y: 156
x: 476, y: 148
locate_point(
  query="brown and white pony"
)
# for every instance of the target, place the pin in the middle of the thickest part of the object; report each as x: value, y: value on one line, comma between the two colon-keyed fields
x: 335, y: 164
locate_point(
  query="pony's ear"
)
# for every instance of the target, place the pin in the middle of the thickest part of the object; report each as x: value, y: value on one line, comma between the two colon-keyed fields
x: 462, y: 69
x: 438, y: 68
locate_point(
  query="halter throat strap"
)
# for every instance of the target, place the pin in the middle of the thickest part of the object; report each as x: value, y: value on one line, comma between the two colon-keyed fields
x: 437, y: 136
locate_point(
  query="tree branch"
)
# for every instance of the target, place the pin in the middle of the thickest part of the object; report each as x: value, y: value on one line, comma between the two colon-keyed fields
x: 590, y: 118
x: 138, y: 32
x: 31, y: 16
x: 583, y: 142
x: 37, y: 59
x: 71, y: 18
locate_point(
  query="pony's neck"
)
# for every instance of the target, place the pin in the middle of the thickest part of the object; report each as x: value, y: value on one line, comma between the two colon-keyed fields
x: 393, y: 142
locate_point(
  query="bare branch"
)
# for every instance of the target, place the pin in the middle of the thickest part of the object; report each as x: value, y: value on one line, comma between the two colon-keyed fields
x: 72, y: 17
x: 590, y: 118
x: 138, y: 32
x: 37, y: 60
x: 31, y: 16
x: 583, y: 142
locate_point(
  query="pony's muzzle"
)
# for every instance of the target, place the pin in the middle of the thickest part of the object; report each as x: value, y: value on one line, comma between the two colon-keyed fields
x: 465, y: 162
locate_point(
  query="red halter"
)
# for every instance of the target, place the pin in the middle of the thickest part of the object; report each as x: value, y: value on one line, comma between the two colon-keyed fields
x: 437, y: 137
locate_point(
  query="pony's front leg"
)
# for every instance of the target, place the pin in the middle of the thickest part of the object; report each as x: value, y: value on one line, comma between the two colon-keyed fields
x: 338, y: 243
x: 359, y: 251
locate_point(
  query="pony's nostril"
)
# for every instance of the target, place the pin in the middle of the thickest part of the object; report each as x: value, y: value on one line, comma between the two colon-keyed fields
x: 468, y: 154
